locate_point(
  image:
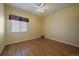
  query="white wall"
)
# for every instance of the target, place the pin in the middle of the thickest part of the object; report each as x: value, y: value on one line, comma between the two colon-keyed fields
x: 2, y: 28
x: 34, y: 26
x: 63, y: 26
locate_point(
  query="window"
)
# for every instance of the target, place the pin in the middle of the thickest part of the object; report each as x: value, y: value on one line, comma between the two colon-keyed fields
x: 15, y: 26
x: 18, y: 23
x: 18, y: 26
x: 23, y: 26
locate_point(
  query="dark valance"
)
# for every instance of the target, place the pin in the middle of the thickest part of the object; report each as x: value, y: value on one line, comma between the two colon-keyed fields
x: 18, y: 18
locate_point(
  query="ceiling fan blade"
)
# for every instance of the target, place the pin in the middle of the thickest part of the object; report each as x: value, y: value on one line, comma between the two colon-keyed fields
x: 42, y: 4
x: 36, y: 6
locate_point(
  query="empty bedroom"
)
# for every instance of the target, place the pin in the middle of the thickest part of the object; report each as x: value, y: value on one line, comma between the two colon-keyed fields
x: 39, y: 29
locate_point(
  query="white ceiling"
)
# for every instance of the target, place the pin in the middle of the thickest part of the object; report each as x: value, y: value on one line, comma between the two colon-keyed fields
x: 30, y: 7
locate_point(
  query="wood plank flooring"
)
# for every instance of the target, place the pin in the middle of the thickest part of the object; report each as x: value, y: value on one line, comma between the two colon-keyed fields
x: 40, y: 47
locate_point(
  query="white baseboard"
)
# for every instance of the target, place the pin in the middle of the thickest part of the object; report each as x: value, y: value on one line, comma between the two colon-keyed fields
x: 24, y: 40
x: 63, y: 42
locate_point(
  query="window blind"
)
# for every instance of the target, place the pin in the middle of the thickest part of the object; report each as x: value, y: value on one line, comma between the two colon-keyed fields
x: 18, y: 18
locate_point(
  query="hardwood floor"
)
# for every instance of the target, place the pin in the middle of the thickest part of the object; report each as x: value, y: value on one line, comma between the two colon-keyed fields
x: 40, y: 47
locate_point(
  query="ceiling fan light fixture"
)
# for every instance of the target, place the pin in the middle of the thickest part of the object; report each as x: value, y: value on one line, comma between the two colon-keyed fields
x: 42, y: 9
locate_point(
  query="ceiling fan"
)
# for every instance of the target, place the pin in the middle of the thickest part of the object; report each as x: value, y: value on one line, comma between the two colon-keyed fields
x: 41, y: 7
